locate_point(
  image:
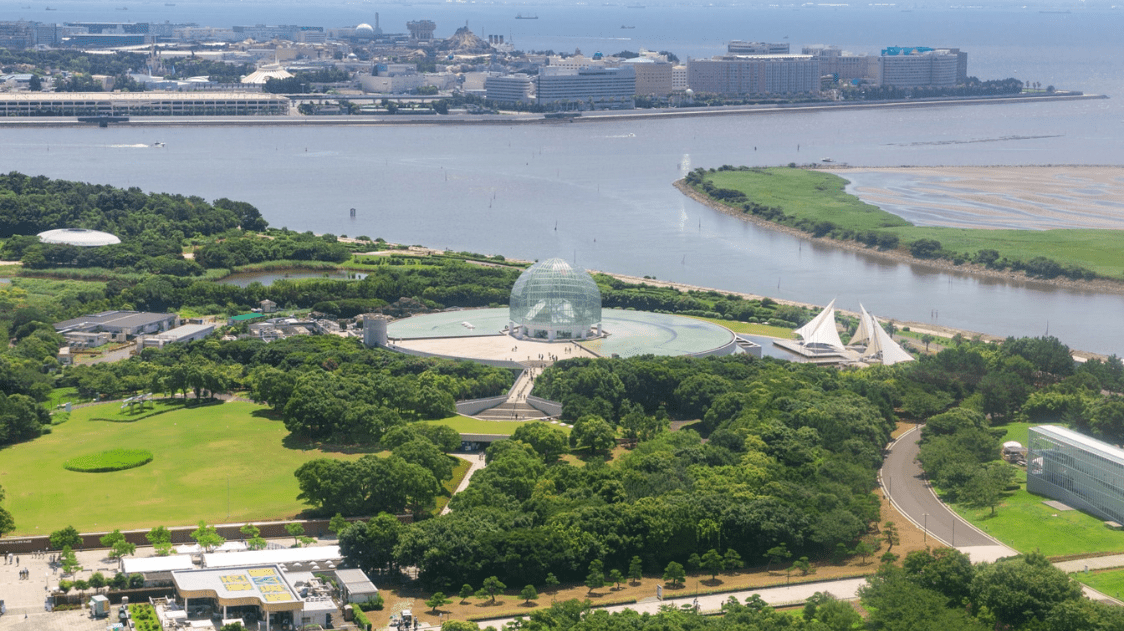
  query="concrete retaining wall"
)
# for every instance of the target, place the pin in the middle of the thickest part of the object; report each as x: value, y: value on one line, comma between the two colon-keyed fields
x: 546, y: 406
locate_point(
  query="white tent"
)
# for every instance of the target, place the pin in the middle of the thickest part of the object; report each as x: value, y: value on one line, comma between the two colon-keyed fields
x: 820, y: 333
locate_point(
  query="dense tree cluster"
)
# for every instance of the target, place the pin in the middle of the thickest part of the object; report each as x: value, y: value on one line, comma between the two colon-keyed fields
x: 252, y: 248
x: 973, y: 87
x: 790, y: 460
x: 217, y: 71
x: 152, y: 226
x: 326, y: 388
x: 932, y: 591
x: 77, y: 61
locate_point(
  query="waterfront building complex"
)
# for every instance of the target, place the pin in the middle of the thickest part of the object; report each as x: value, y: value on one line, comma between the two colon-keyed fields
x: 739, y: 75
x: 594, y: 87
x: 653, y: 78
x: 738, y: 47
x: 142, y: 104
x: 844, y: 66
x: 1080, y: 471
x: 915, y: 67
x: 515, y: 88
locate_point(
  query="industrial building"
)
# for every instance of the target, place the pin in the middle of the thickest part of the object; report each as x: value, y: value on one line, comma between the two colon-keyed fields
x: 753, y: 75
x: 1080, y: 471
x: 178, y: 335
x: 594, y: 88
x: 142, y: 104
x: 120, y: 324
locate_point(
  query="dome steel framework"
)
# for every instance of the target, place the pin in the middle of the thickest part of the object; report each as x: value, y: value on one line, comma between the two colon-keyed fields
x: 552, y: 300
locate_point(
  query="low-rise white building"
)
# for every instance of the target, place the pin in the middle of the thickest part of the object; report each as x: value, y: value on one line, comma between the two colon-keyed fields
x: 178, y: 335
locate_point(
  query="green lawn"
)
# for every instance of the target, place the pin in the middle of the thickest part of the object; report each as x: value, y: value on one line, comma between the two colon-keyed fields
x: 1018, y: 432
x: 807, y: 195
x: 59, y: 396
x: 821, y: 197
x: 1109, y: 582
x: 466, y: 425
x: 748, y: 328
x: 197, y: 452
x: 1026, y: 524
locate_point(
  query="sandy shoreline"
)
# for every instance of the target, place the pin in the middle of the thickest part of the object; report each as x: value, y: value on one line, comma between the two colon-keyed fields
x: 1102, y: 286
x: 997, y: 197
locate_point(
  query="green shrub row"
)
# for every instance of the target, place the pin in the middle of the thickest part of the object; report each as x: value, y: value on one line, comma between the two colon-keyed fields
x: 112, y: 460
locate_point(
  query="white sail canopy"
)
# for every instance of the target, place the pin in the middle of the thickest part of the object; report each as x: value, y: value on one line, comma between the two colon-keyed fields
x: 862, y: 335
x: 881, y: 346
x: 821, y: 331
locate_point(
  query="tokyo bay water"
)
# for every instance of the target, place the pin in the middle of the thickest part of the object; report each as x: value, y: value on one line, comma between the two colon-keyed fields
x: 607, y: 186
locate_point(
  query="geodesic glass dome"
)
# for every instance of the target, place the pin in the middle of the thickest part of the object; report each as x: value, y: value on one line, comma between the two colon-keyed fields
x: 552, y: 300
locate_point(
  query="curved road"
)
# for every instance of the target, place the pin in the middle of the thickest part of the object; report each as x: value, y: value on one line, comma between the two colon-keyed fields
x: 909, y: 492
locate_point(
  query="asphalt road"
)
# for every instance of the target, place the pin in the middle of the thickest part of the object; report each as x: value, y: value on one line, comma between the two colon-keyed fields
x: 903, y: 482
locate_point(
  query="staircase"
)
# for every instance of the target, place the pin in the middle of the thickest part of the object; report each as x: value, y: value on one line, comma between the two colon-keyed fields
x: 516, y: 408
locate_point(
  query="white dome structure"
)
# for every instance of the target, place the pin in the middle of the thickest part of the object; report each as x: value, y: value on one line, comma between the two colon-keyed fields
x: 552, y: 300
x: 365, y: 30
x: 78, y: 236
x: 265, y: 73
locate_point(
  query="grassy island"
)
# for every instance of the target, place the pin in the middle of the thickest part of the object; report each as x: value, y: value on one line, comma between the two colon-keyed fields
x: 816, y: 204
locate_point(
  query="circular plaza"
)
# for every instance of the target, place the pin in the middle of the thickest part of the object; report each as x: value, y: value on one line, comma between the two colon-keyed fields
x: 483, y: 335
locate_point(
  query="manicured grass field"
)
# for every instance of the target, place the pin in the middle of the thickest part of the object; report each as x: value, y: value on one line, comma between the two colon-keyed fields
x: 466, y: 425
x: 198, y: 451
x: 749, y: 328
x: 820, y: 197
x: 1109, y: 582
x: 1023, y: 522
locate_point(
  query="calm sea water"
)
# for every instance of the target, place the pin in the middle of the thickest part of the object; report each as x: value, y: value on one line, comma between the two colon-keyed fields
x: 601, y: 194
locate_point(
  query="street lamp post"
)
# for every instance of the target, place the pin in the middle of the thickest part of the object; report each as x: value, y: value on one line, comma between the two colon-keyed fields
x: 925, y: 527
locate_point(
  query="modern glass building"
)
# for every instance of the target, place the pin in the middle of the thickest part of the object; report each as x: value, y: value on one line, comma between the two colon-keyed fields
x: 552, y: 300
x: 1082, y: 472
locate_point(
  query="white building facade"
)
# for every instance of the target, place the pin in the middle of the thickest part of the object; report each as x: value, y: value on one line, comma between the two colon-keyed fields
x: 595, y: 88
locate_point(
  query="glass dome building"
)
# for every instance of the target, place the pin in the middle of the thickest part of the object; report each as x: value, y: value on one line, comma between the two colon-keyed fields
x: 552, y: 300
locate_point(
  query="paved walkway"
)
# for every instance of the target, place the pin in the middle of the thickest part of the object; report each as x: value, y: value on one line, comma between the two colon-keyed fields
x: 845, y: 589
x: 477, y: 463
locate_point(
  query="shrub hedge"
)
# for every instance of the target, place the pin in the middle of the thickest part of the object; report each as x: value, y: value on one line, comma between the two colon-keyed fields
x: 112, y: 460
